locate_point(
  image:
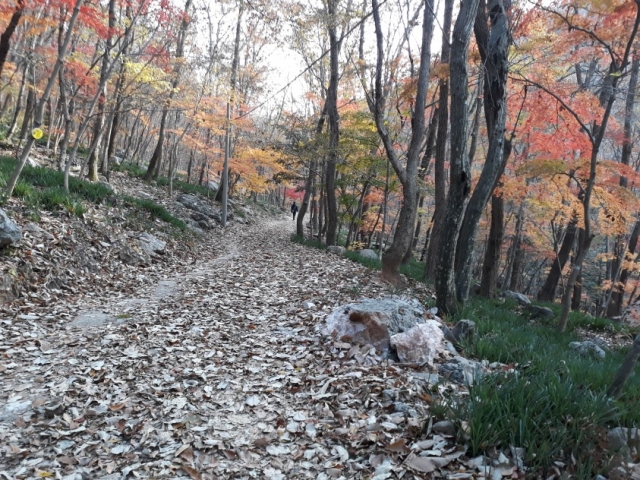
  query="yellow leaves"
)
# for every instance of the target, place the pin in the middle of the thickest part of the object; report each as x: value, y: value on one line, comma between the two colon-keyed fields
x: 147, y: 73
x: 544, y: 167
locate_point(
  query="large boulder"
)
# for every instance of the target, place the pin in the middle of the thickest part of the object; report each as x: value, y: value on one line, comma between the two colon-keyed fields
x: 193, y: 203
x: 373, y: 322
x: 518, y: 297
x: 151, y: 245
x: 368, y: 253
x: 10, y: 233
x: 421, y: 344
x: 134, y: 257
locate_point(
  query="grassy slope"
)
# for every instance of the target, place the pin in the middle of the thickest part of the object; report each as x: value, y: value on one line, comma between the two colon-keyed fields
x: 553, y: 403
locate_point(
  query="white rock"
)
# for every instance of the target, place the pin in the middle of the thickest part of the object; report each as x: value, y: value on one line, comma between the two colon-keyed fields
x: 421, y: 344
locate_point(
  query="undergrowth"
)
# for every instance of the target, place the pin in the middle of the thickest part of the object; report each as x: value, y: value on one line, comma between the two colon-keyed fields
x: 156, y: 211
x: 41, y: 188
x: 555, y: 404
x: 138, y: 172
x: 413, y: 269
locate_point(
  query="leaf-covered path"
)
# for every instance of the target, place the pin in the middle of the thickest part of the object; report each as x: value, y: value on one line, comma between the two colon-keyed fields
x: 217, y: 371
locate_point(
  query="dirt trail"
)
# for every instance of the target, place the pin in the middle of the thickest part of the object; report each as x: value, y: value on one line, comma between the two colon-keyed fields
x: 216, y: 373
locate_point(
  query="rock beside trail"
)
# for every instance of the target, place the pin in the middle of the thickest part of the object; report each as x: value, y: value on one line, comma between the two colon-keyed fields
x: 588, y: 348
x: 518, y: 297
x: 421, y: 344
x: 10, y: 232
x: 368, y: 253
x: 134, y: 257
x: 462, y: 370
x: 540, y: 312
x: 193, y: 203
x: 461, y: 331
x: 373, y: 322
x: 620, y: 437
x: 151, y: 245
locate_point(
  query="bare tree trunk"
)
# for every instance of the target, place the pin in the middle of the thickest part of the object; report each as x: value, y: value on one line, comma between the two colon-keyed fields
x: 392, y: 258
x: 548, y: 291
x: 334, y: 128
x: 153, y: 169
x: 18, y: 107
x: 100, y: 119
x: 5, y: 38
x: 232, y: 100
x: 309, y: 180
x: 625, y: 370
x: 493, y: 47
x: 614, y: 308
x: 440, y: 194
x: 491, y: 264
x: 459, y: 173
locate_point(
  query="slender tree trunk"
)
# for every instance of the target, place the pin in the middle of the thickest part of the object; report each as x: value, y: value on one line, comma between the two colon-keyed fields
x: 98, y: 128
x: 18, y: 107
x: 614, y: 308
x: 424, y: 169
x: 5, y: 38
x: 548, y: 291
x: 460, y: 174
x: 512, y: 275
x: 490, y: 267
x: 402, y: 238
x: 493, y: 47
x: 230, y: 101
x: 153, y: 169
x: 626, y: 369
x: 313, y: 166
x: 334, y: 128
x: 440, y: 194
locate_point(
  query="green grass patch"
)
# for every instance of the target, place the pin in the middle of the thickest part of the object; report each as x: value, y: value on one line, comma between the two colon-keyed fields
x: 156, y: 211
x: 413, y: 269
x: 555, y: 406
x: 42, y: 188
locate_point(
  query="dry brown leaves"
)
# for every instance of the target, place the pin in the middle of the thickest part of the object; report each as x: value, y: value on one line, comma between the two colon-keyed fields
x: 213, y: 369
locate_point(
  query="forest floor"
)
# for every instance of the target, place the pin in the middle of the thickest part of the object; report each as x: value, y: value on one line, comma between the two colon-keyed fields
x: 212, y: 368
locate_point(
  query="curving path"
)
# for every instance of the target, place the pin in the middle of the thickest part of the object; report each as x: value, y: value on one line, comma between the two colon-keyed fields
x: 218, y: 372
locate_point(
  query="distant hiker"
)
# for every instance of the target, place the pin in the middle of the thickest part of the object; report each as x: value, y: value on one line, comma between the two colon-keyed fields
x: 294, y: 209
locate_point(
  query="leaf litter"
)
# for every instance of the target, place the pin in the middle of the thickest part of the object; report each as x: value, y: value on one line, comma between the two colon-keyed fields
x: 228, y: 378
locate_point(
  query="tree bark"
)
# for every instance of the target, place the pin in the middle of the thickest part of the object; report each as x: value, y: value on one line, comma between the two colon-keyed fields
x: 491, y: 264
x: 392, y: 258
x: 98, y: 128
x: 548, y: 291
x: 334, y: 127
x: 626, y: 369
x: 493, y: 49
x: 459, y: 173
x: 614, y: 308
x: 440, y: 194
x: 5, y: 38
x: 153, y: 169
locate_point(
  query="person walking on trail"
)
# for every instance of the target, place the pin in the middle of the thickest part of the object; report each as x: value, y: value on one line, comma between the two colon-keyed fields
x: 294, y: 209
